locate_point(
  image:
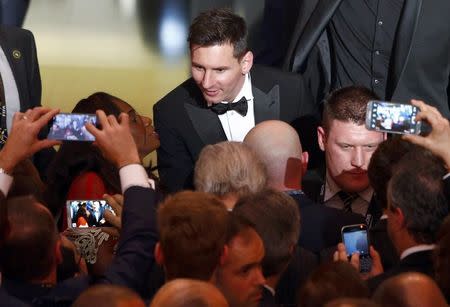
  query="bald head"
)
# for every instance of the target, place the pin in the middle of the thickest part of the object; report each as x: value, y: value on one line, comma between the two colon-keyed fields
x: 409, y: 290
x: 109, y: 296
x: 188, y: 293
x: 278, y: 146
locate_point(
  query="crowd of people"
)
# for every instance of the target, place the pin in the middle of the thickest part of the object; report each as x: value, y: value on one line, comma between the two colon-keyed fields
x: 235, y: 217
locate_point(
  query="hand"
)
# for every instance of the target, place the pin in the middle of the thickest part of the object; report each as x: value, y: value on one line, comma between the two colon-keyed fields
x: 438, y: 141
x: 116, y: 202
x: 377, y: 267
x: 23, y: 139
x: 114, y: 139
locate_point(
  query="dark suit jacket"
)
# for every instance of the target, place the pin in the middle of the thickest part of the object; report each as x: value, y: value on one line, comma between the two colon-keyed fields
x: 130, y: 266
x: 421, y: 262
x: 416, y: 70
x: 185, y: 124
x: 321, y: 225
x: 268, y: 300
x: 378, y: 237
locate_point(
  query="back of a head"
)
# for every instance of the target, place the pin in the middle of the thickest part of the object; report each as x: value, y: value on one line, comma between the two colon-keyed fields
x: 275, y: 142
x: 229, y: 167
x: 28, y: 251
x: 188, y: 293
x: 330, y: 281
x: 409, y: 290
x: 277, y: 221
x: 219, y: 27
x: 347, y: 104
x: 417, y: 189
x: 382, y: 162
x: 351, y: 302
x: 192, y: 228
x: 108, y: 296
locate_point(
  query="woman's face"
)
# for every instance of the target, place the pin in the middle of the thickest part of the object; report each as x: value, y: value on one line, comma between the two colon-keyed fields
x: 147, y: 140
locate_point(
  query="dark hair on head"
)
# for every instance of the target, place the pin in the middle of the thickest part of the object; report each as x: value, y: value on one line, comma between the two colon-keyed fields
x: 330, y: 281
x: 347, y: 104
x: 219, y: 27
x: 416, y: 187
x: 192, y: 229
x: 237, y: 224
x: 277, y: 221
x: 74, y: 158
x: 382, y: 163
x: 28, y: 251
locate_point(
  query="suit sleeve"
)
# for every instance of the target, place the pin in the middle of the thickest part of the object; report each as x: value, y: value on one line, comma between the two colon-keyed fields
x: 175, y: 164
x: 134, y: 257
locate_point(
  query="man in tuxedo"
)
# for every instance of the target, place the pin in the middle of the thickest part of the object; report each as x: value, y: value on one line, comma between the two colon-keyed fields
x: 397, y: 48
x: 417, y: 206
x: 348, y: 146
x: 224, y: 99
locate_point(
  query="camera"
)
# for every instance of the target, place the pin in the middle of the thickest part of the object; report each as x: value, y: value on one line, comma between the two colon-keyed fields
x: 356, y: 240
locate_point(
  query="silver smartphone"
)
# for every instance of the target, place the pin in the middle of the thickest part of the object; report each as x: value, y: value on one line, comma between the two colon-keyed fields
x: 391, y: 117
x: 356, y: 240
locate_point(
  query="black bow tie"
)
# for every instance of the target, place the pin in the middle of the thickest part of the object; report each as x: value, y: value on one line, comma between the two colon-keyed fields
x: 238, y: 106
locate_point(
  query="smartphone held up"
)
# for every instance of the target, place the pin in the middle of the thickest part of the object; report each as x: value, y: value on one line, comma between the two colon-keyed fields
x: 71, y: 127
x: 356, y: 240
x: 392, y: 117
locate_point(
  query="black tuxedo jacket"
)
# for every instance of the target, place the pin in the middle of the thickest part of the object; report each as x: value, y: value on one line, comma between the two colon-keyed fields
x: 378, y: 237
x: 320, y: 225
x: 185, y: 124
x: 420, y: 65
x: 20, y: 50
x: 131, y: 264
x: 421, y: 262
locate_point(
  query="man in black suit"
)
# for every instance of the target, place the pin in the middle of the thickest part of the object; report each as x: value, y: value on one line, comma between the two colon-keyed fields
x: 417, y: 207
x: 348, y: 145
x: 224, y: 99
x: 395, y: 48
x: 30, y: 251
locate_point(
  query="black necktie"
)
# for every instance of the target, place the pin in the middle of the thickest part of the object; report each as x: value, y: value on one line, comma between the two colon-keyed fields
x: 347, y: 199
x: 239, y: 106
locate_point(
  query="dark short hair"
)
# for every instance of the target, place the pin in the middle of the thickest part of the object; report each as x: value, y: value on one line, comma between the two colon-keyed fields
x: 381, y: 165
x: 331, y: 281
x: 277, y: 221
x: 218, y: 27
x: 416, y: 187
x: 28, y: 252
x: 347, y: 104
x: 192, y: 229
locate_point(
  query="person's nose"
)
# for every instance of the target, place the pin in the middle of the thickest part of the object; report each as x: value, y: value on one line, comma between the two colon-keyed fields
x: 357, y: 157
x: 207, y: 80
x: 259, y: 277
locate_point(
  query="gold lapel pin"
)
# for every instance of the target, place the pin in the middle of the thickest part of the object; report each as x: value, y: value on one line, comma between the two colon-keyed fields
x: 16, y: 54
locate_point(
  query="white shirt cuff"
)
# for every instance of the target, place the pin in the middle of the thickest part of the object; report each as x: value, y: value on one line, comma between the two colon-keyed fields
x: 5, y: 183
x: 133, y: 175
x: 446, y: 176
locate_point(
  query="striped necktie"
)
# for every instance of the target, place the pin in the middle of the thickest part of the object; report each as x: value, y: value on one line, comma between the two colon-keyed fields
x: 347, y: 199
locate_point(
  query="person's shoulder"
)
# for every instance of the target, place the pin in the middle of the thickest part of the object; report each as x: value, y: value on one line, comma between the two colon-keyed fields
x: 178, y: 95
x: 15, y: 32
x: 263, y: 72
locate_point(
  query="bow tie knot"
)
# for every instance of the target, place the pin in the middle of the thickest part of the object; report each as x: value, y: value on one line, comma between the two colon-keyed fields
x: 239, y: 106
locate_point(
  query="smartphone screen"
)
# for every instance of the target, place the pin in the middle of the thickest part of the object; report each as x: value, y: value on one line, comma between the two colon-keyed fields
x: 392, y: 117
x: 87, y: 213
x: 71, y: 127
x: 355, y: 240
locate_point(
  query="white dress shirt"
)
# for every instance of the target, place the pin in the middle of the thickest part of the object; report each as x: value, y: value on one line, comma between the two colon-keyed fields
x: 10, y: 87
x: 234, y: 124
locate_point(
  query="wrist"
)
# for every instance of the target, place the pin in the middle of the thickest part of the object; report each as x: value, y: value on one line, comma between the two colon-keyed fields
x: 7, y: 164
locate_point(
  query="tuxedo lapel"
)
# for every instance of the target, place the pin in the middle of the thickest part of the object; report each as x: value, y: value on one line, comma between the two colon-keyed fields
x: 403, y: 40
x: 267, y: 106
x: 308, y: 30
x: 206, y: 123
x: 15, y: 55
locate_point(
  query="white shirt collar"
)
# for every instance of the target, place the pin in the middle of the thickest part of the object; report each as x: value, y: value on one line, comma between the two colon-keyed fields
x: 416, y: 249
x: 331, y: 189
x: 270, y: 289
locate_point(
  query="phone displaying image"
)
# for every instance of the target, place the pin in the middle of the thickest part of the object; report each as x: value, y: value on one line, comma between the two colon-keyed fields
x: 392, y: 117
x: 356, y: 240
x: 71, y: 127
x: 87, y: 213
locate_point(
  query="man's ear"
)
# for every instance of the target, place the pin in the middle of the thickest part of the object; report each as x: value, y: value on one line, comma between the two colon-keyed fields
x: 321, y: 137
x: 305, y: 160
x: 159, y: 256
x: 398, y: 218
x: 224, y: 255
x: 246, y: 62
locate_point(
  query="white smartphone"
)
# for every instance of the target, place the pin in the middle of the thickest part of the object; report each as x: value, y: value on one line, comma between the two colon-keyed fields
x: 82, y: 213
